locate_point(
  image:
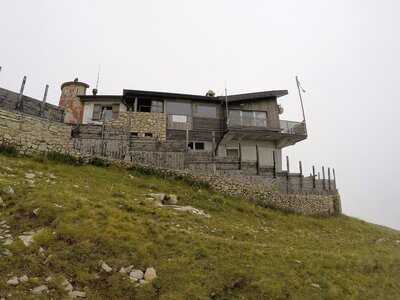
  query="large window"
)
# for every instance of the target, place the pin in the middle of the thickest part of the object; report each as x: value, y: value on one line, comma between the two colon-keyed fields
x: 105, y: 112
x: 205, y: 111
x: 246, y: 118
x: 149, y: 105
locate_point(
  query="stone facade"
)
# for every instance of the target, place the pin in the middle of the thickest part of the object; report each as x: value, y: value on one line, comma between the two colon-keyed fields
x: 144, y: 124
x: 30, y: 134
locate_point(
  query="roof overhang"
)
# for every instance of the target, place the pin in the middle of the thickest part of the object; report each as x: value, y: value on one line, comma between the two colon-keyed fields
x: 100, y: 98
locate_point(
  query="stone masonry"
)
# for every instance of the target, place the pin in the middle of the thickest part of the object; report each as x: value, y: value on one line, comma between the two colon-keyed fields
x: 143, y: 123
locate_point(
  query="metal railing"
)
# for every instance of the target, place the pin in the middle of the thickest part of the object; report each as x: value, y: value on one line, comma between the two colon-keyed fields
x: 291, y: 127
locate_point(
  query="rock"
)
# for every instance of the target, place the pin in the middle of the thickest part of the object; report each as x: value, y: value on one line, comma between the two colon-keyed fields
x: 126, y: 270
x: 136, y: 275
x: 41, y: 251
x: 39, y: 289
x: 26, y: 239
x: 48, y: 279
x: 36, y: 211
x: 8, y: 191
x: 7, y: 252
x: 23, y: 278
x: 171, y: 199
x: 317, y: 286
x: 13, y: 281
x: 52, y: 176
x: 142, y: 281
x: 157, y: 196
x: 191, y: 210
x: 150, y: 274
x: 30, y: 175
x: 2, y: 204
x: 67, y: 286
x: 8, y: 242
x: 106, y: 267
x: 398, y: 242
x: 77, y: 294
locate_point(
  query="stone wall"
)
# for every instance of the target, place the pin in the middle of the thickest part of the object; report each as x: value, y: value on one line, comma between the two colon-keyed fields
x: 30, y: 134
x: 142, y: 123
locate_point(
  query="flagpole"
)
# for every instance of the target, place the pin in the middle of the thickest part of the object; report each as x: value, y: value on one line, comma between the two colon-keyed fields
x: 301, y: 99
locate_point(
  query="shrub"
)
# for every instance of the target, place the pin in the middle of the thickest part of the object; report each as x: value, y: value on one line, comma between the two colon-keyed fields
x: 99, y: 162
x: 63, y: 157
x: 8, y: 150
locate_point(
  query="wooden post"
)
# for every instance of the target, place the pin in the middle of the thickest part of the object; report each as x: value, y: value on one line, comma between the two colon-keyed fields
x: 323, y: 177
x: 313, y: 176
x: 274, y: 160
x: 287, y: 174
x: 329, y: 179
x: 213, y: 152
x: 135, y: 105
x: 20, y: 103
x: 301, y: 175
x: 319, y: 175
x: 258, y: 160
x: 334, y: 178
x: 187, y: 136
x: 42, y: 105
x: 240, y: 156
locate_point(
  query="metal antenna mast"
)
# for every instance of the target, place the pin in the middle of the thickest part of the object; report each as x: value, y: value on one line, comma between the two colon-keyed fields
x: 226, y: 105
x: 300, y: 89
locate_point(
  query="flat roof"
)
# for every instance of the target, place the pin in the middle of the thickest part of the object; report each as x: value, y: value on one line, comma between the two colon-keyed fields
x: 166, y: 95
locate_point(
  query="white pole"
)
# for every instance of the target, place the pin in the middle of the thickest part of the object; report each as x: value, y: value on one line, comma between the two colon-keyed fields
x: 301, y: 99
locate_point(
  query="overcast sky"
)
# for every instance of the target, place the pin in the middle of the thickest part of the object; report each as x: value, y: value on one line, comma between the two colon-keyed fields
x: 346, y: 53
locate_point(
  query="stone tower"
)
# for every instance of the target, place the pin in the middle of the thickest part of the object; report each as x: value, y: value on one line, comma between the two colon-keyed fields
x: 70, y: 102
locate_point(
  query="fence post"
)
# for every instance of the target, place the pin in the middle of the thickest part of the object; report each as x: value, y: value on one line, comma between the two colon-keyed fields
x: 329, y: 179
x: 313, y: 176
x: 334, y: 178
x: 301, y: 175
x: 323, y: 178
x: 44, y: 101
x: 258, y: 160
x: 287, y: 174
x: 213, y: 153
x: 274, y: 160
x: 20, y: 103
x: 187, y: 136
x: 240, y: 156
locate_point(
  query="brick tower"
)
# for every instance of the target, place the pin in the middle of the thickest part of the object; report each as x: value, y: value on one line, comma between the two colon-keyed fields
x: 70, y: 102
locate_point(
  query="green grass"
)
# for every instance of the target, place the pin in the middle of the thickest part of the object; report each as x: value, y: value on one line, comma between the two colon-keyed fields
x: 241, y: 252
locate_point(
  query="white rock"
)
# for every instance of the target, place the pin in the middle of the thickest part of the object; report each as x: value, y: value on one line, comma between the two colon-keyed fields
x: 136, y: 275
x: 2, y: 202
x: 171, y: 199
x: 67, y: 286
x: 77, y: 294
x: 317, y: 286
x: 30, y: 175
x: 48, y: 279
x: 7, y: 252
x: 8, y: 242
x: 126, y: 270
x: 106, y: 267
x: 13, y: 281
x: 39, y: 290
x: 9, y: 190
x: 36, y: 211
x: 150, y: 274
x: 158, y: 196
x: 23, y: 278
x: 26, y: 239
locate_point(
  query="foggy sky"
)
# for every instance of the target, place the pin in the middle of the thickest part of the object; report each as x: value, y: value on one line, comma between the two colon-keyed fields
x: 345, y: 52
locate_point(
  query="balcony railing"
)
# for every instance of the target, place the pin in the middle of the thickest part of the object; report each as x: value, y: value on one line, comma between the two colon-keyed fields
x: 291, y: 127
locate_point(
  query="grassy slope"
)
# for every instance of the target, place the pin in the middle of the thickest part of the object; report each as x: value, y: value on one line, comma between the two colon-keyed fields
x: 241, y: 252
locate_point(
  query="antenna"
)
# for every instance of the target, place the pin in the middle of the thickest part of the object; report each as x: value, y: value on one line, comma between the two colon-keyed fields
x: 95, y: 90
x: 300, y: 89
x: 226, y: 105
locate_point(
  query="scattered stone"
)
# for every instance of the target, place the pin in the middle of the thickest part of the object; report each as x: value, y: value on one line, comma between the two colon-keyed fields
x: 8, y: 191
x: 13, y: 281
x: 136, y: 275
x: 189, y: 209
x: 171, y: 199
x: 30, y: 175
x: 41, y: 251
x: 7, y: 252
x: 298, y: 262
x: 142, y: 281
x: 77, y: 294
x: 48, y: 279
x: 58, y: 205
x: 8, y: 242
x: 23, y: 278
x: 150, y: 274
x: 36, y: 211
x: 157, y: 196
x: 76, y: 186
x: 39, y: 290
x: 317, y: 286
x: 52, y: 176
x: 67, y: 286
x: 105, y: 267
x: 126, y: 270
x: 26, y: 239
x: 380, y: 240
x: 2, y: 204
x: 398, y: 242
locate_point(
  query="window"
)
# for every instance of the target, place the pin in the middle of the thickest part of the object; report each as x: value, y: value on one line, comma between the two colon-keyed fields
x: 105, y: 112
x: 149, y: 105
x: 134, y: 134
x: 196, y: 146
x: 148, y: 134
x: 205, y: 111
x: 248, y: 118
x: 179, y: 119
x: 232, y: 153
